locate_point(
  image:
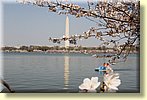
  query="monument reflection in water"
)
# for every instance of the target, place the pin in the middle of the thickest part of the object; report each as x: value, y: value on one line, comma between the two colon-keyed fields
x: 66, y: 71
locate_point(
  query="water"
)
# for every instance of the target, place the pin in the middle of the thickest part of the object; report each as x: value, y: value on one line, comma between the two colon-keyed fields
x: 40, y: 72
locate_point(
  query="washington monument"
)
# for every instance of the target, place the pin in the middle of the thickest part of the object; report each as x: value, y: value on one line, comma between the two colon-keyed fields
x: 66, y: 58
x: 67, y: 32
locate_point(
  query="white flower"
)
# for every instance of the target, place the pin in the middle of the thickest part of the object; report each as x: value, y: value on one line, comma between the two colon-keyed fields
x: 1, y: 87
x: 109, y: 71
x: 112, y: 81
x: 90, y: 85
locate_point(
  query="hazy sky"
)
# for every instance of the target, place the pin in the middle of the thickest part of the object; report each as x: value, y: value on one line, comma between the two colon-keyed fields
x: 33, y: 25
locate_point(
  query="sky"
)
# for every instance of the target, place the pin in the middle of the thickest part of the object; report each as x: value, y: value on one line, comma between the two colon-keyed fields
x: 33, y: 25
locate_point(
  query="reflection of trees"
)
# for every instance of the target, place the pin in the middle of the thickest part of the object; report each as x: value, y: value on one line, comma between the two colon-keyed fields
x: 118, y: 23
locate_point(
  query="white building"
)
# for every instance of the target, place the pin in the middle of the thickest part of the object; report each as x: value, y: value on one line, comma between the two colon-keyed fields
x: 67, y: 32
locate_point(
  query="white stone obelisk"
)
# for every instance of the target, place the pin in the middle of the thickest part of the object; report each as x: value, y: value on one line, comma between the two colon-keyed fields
x: 67, y: 32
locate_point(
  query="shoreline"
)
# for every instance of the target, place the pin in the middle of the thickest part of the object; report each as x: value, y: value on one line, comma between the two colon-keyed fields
x: 66, y: 52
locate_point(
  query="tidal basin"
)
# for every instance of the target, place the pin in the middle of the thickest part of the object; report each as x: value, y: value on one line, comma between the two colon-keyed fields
x: 46, y: 72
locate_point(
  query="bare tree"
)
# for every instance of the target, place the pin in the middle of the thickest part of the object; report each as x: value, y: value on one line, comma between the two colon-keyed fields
x: 118, y: 23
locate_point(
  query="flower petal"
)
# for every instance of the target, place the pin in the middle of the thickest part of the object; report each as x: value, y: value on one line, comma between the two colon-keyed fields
x: 86, y: 80
x: 112, y: 81
x: 116, y: 82
x: 82, y: 87
x: 112, y: 87
x: 94, y: 82
x: 116, y: 75
x: 86, y: 84
x: 92, y: 90
x: 95, y: 85
x: 111, y: 90
x: 90, y: 85
x: 94, y: 79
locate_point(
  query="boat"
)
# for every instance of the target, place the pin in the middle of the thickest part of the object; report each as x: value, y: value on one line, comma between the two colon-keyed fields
x: 97, y: 69
x: 100, y: 68
x: 94, y: 55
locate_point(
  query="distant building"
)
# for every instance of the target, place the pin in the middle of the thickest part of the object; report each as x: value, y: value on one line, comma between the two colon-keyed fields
x: 67, y: 32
